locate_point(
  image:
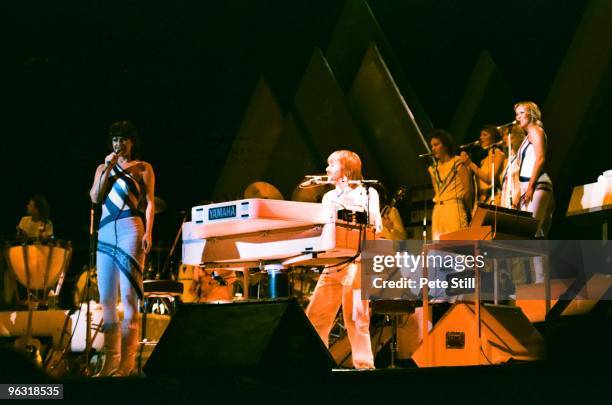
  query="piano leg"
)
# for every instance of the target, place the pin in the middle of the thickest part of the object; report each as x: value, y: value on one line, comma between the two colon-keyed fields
x: 246, y: 283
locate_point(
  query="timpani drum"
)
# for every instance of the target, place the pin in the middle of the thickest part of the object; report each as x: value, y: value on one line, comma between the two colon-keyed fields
x: 38, y: 264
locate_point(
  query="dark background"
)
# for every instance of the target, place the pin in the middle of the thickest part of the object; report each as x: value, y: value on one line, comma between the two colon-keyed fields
x: 183, y: 72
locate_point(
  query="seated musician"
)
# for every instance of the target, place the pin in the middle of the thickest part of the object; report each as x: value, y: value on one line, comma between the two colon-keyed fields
x: 37, y: 223
x: 341, y: 285
x: 34, y: 225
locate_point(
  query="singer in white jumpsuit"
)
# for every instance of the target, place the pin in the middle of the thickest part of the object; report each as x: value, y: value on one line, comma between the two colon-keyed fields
x: 341, y: 285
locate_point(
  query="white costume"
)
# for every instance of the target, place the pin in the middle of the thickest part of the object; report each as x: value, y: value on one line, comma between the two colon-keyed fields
x: 542, y: 203
x: 342, y: 285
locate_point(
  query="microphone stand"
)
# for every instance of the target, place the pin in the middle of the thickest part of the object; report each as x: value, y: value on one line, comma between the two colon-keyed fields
x: 508, y: 169
x: 367, y: 184
x: 491, y: 152
x: 91, y: 265
x: 328, y: 182
x: 424, y: 233
x: 492, y: 157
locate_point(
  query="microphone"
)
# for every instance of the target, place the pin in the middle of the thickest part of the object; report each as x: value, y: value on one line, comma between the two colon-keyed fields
x: 469, y: 145
x: 312, y: 180
x: 306, y: 183
x: 493, y: 145
x: 507, y: 124
x: 424, y: 155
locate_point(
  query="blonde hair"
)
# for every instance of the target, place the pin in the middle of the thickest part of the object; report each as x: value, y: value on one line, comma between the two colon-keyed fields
x: 350, y: 163
x: 535, y: 115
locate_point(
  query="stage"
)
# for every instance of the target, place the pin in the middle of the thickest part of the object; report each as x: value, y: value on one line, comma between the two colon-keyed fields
x: 575, y: 371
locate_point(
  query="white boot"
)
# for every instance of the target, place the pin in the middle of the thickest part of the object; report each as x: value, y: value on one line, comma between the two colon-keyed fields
x: 112, y: 355
x: 129, y: 348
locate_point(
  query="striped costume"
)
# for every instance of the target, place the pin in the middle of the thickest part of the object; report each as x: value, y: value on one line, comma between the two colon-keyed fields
x: 120, y: 257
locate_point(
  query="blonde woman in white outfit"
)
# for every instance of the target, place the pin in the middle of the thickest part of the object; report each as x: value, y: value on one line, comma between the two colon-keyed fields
x: 341, y: 286
x: 535, y: 185
x: 536, y: 189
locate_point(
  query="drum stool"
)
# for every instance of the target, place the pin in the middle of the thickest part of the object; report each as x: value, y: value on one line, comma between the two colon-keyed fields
x: 393, y: 309
x: 156, y: 290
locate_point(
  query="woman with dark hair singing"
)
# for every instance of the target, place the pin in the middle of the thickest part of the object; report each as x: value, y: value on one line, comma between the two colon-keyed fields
x: 125, y: 187
x: 452, y: 186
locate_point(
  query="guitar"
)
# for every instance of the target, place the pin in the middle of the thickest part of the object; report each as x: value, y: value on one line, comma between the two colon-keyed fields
x: 388, y: 231
x: 398, y: 196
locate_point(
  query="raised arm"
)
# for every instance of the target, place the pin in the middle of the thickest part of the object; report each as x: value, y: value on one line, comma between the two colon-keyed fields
x: 98, y: 189
x: 100, y: 182
x: 484, y: 173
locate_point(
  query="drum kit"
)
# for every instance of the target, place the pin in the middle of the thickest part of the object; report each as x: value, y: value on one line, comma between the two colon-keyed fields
x: 222, y: 285
x: 261, y: 189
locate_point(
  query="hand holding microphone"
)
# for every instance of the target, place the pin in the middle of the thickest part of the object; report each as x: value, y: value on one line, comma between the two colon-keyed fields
x: 112, y: 158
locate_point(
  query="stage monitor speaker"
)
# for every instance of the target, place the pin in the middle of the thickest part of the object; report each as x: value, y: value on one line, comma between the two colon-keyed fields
x: 269, y: 339
x: 506, y: 334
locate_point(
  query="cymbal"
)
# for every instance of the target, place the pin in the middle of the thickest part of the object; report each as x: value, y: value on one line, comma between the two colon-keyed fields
x: 160, y: 205
x: 309, y: 194
x: 261, y: 189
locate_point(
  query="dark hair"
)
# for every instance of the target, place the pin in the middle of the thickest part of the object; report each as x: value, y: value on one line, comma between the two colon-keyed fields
x: 42, y: 206
x: 491, y: 130
x: 126, y: 129
x: 445, y: 138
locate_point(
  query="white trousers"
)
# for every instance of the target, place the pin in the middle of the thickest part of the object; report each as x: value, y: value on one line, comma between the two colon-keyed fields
x: 343, y: 288
x: 450, y: 216
x: 541, y: 206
